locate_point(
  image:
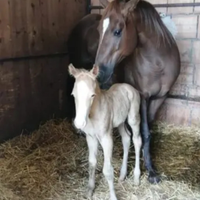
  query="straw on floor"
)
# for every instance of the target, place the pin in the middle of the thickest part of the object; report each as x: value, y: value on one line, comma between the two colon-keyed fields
x: 51, y: 164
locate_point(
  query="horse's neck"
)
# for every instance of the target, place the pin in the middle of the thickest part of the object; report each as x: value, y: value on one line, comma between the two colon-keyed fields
x: 151, y: 46
x: 151, y: 39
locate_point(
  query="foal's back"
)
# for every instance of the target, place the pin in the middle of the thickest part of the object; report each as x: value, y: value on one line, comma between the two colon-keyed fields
x: 122, y: 99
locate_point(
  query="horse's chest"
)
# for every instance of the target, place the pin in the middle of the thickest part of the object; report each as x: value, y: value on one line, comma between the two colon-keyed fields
x: 146, y: 76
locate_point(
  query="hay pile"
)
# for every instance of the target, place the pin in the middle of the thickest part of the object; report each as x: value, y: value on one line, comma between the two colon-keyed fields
x: 51, y: 164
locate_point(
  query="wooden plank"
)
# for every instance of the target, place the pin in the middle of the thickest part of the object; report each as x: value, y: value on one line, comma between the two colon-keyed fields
x: 5, y: 32
x: 19, y: 36
x: 33, y: 93
x: 35, y: 27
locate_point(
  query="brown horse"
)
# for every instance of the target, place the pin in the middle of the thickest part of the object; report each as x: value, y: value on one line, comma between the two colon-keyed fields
x: 135, y: 46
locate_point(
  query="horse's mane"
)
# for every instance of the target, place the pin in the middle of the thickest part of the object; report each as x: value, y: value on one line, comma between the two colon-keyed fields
x: 153, y: 22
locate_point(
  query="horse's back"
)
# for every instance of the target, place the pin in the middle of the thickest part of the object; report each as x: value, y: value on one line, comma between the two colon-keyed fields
x: 83, y: 41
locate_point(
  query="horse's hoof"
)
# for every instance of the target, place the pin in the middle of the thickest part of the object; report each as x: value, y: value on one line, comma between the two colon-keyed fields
x: 153, y: 178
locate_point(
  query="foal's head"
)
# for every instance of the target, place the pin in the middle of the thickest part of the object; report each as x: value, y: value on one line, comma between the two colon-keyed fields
x: 118, y: 36
x: 84, y: 91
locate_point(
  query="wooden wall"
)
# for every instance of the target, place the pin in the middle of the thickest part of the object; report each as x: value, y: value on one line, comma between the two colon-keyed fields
x: 33, y: 90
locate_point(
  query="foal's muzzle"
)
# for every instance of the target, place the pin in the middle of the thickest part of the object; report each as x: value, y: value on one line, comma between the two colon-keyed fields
x: 79, y: 124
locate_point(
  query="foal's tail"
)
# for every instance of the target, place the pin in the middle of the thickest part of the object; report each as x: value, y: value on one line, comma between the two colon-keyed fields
x: 128, y: 127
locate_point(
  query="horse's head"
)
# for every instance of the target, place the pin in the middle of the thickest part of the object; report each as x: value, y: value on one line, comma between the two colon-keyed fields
x: 84, y: 91
x: 118, y: 36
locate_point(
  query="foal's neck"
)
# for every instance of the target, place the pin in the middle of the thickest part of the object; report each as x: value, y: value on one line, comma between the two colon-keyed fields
x: 98, y: 90
x: 96, y: 105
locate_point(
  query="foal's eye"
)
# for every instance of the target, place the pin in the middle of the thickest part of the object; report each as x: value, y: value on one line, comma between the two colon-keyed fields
x: 118, y: 32
x: 93, y: 96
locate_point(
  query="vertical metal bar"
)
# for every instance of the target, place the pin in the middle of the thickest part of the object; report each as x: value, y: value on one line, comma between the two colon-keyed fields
x: 88, y: 9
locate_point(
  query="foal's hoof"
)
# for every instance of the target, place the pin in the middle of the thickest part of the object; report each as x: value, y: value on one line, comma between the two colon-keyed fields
x: 136, y: 181
x: 122, y: 178
x: 153, y: 178
x: 113, y: 197
x: 89, y: 193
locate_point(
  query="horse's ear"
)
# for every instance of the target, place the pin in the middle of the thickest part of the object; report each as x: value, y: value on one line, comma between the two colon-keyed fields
x: 95, y: 71
x: 72, y: 70
x: 129, y: 7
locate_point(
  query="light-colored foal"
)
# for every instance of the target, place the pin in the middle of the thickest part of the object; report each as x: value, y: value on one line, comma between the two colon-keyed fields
x: 97, y: 113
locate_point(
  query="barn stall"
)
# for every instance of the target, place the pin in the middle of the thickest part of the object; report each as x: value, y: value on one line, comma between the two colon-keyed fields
x: 51, y: 162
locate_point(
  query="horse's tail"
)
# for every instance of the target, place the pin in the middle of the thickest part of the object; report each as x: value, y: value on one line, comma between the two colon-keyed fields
x: 128, y: 127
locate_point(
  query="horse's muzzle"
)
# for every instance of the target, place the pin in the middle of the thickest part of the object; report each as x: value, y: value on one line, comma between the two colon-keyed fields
x: 105, y: 77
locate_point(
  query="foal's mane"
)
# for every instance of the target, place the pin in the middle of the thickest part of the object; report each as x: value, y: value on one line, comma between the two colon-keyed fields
x: 85, y: 72
x: 153, y: 23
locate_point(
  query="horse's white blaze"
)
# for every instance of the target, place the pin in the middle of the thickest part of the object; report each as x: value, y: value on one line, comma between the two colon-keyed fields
x: 106, y: 23
x: 82, y: 105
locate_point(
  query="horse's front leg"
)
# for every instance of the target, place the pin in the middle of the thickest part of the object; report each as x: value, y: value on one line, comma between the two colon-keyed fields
x: 146, y: 136
x: 93, y: 150
x: 107, y: 145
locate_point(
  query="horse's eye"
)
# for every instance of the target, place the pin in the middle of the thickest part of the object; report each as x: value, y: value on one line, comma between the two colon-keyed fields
x: 117, y: 32
x: 93, y: 96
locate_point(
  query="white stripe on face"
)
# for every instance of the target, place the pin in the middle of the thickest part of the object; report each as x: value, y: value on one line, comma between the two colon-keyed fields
x: 106, y: 23
x: 82, y: 104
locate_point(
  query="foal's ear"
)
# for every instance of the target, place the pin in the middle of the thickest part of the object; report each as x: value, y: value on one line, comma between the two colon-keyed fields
x: 104, y: 3
x: 129, y: 7
x: 72, y: 70
x: 95, y: 71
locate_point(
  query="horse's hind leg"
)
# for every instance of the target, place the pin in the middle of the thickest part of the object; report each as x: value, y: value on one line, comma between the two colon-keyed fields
x: 146, y: 136
x: 134, y: 122
x: 154, y: 105
x: 126, y: 145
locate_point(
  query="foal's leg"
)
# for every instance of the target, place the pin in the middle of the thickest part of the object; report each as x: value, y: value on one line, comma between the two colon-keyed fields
x: 107, y: 145
x: 146, y: 136
x: 93, y: 149
x: 126, y: 145
x: 134, y: 122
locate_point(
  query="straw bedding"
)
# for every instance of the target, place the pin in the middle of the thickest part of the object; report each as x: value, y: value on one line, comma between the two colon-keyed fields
x: 51, y: 164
